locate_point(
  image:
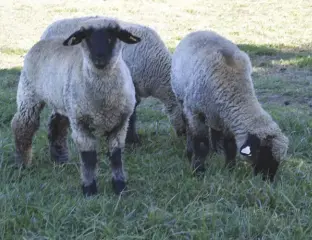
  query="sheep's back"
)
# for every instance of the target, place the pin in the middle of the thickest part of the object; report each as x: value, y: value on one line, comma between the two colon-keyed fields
x: 48, y: 67
x: 149, y: 61
x: 207, y: 56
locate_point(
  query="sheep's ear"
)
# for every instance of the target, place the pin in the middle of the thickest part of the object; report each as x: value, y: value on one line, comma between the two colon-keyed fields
x: 75, y: 38
x: 249, y: 147
x: 127, y: 37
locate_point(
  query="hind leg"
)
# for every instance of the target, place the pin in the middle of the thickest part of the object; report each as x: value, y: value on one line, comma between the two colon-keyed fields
x: 189, y: 145
x: 132, y: 136
x: 197, y: 140
x: 57, y: 135
x: 24, y: 125
x: 200, y: 145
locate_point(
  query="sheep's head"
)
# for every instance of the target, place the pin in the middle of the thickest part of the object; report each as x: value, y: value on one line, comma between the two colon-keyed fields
x: 265, y: 154
x: 101, y: 43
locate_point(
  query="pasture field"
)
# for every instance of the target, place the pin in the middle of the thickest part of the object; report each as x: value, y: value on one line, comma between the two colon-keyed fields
x: 164, y: 200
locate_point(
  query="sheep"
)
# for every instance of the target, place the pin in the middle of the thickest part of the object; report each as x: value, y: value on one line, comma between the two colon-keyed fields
x: 149, y: 63
x: 211, y: 77
x: 84, y: 79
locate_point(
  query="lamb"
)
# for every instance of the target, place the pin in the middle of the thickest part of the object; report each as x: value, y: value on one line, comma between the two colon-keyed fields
x: 89, y: 87
x: 211, y: 77
x: 149, y: 63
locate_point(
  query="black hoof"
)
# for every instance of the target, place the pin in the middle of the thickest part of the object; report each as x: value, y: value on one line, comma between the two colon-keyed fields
x: 118, y: 186
x: 89, y: 190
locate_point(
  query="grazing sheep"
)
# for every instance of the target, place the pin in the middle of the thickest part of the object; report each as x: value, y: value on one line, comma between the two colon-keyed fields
x: 89, y: 87
x: 211, y: 77
x: 149, y: 63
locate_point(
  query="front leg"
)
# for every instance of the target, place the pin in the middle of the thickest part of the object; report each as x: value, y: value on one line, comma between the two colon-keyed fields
x: 116, y: 144
x: 132, y: 136
x: 86, y: 144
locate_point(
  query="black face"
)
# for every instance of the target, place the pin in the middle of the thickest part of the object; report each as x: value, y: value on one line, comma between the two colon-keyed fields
x: 101, y: 42
x: 265, y: 164
x: 261, y: 156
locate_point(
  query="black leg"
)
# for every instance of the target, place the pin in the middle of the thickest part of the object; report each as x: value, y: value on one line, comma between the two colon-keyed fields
x: 200, y: 147
x: 197, y: 146
x: 88, y: 167
x: 118, y: 179
x: 189, y: 142
x: 216, y: 139
x: 230, y: 149
x: 57, y: 135
x: 132, y: 136
x: 189, y: 147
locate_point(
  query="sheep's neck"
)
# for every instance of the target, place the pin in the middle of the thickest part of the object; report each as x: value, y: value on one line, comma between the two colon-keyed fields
x: 99, y: 82
x: 239, y: 111
x: 248, y: 120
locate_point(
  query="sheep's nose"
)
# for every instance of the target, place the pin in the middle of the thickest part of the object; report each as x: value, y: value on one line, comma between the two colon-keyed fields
x: 99, y: 66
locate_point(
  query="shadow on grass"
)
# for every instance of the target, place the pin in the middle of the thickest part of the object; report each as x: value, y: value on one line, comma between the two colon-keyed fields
x: 9, y: 77
x: 8, y: 83
x: 284, y: 56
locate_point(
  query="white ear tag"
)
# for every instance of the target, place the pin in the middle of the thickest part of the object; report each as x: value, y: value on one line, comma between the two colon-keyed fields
x: 70, y: 42
x: 246, y: 151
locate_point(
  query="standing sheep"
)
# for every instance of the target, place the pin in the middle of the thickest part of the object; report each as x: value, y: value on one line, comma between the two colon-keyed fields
x: 149, y: 63
x: 89, y: 87
x: 211, y: 77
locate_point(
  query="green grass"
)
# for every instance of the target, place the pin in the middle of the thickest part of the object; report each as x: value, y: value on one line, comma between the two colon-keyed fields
x: 299, y: 61
x: 260, y: 50
x: 164, y: 200
x: 13, y: 51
